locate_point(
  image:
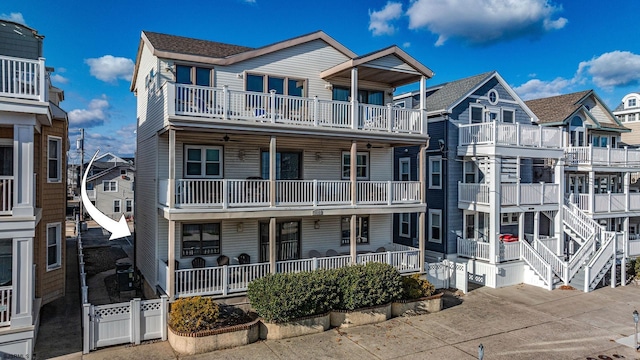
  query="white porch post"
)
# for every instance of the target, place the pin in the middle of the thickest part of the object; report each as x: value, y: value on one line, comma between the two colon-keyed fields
x: 495, y: 205
x: 172, y: 168
x: 354, y: 98
x: 627, y: 182
x: 352, y: 172
x: 423, y: 104
x: 592, y: 184
x: 171, y: 236
x: 625, y: 251
x: 521, y: 226
x: 423, y: 200
x: 536, y: 225
x: 272, y: 245
x: 23, y: 279
x: 352, y: 238
x: 421, y: 240
x: 272, y: 171
x: 559, y: 178
x: 23, y: 201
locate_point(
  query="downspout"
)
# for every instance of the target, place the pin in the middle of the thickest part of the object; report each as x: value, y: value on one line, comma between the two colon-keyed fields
x: 445, y: 179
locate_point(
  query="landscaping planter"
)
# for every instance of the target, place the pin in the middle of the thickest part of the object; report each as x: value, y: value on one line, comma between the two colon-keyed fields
x: 206, y: 341
x: 303, y: 326
x: 364, y: 316
x: 426, y: 304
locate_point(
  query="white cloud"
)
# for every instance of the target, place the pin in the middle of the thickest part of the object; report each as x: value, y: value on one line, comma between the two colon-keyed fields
x: 380, y: 21
x: 406, y: 44
x: 59, y: 79
x: 15, y: 17
x: 616, y: 68
x: 484, y: 21
x: 250, y: 1
x: 121, y: 142
x: 94, y: 115
x: 110, y: 68
x: 536, y: 89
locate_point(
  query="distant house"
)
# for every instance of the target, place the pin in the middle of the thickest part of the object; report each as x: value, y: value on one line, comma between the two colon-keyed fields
x: 33, y: 142
x: 111, y: 185
x: 628, y: 113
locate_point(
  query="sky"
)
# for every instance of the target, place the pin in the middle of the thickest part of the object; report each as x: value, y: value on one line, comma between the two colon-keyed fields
x: 540, y: 47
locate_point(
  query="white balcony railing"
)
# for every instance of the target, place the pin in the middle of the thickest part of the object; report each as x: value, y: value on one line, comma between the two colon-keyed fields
x: 511, y: 194
x: 226, y: 104
x: 22, y: 78
x: 231, y: 279
x: 6, y: 195
x: 5, y: 305
x: 225, y: 193
x: 602, y: 156
x: 474, y: 249
x: 605, y: 203
x: 505, y: 134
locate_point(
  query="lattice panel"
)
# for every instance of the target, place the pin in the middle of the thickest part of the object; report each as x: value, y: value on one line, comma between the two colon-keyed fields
x: 151, y: 306
x: 120, y: 310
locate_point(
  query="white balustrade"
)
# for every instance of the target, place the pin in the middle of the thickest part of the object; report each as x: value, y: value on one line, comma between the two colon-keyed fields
x: 5, y: 305
x: 163, y: 274
x: 509, y: 251
x: 537, y: 263
x: 333, y: 192
x: 473, y: 249
x: 198, y: 192
x: 602, y: 156
x: 6, y: 194
x: 634, y: 247
x: 475, y: 193
x: 506, y: 134
x: 372, y: 192
x: 634, y: 201
x: 609, y: 202
x: 22, y: 78
x: 294, y: 192
x: 248, y: 192
x: 405, y: 191
x: 599, y: 260
x: 557, y: 264
x: 529, y: 194
x: 405, y: 261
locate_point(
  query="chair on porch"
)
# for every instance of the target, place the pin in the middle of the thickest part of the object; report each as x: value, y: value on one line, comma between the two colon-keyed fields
x: 244, y: 259
x: 223, y: 260
x: 198, y: 263
x: 332, y: 252
x: 381, y: 249
x: 314, y: 254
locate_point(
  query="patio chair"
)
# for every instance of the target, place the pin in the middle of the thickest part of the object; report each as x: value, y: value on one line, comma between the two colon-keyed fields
x: 381, y: 249
x: 223, y: 260
x: 332, y: 252
x: 314, y: 254
x: 244, y: 259
x: 198, y: 263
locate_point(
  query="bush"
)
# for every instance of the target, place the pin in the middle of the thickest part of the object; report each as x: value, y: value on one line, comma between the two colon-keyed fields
x: 193, y: 314
x: 283, y: 297
x: 368, y: 285
x: 413, y: 287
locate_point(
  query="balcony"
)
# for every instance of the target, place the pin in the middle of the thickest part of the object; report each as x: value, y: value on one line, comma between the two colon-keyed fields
x: 511, y: 194
x: 270, y: 108
x: 230, y: 193
x: 473, y: 138
x: 607, y: 203
x: 474, y: 249
x: 22, y: 78
x: 6, y: 195
x: 602, y: 156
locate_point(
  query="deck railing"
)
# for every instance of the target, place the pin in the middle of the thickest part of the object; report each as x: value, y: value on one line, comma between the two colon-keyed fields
x: 230, y: 279
x: 22, y: 78
x: 473, y: 249
x: 226, y: 193
x: 537, y: 263
x: 603, y: 156
x: 473, y: 193
x: 512, y: 194
x: 609, y: 202
x: 505, y: 134
x: 6, y: 195
x: 226, y: 104
x: 5, y: 305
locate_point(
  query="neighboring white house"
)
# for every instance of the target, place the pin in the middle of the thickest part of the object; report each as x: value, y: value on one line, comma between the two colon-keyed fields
x: 33, y: 141
x: 111, y: 185
x: 628, y: 113
x: 273, y: 159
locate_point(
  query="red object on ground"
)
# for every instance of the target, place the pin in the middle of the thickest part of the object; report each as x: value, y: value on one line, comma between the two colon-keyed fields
x: 508, y: 238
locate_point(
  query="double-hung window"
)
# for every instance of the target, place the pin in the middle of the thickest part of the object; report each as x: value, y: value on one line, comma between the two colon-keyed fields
x: 116, y: 206
x: 200, y: 239
x: 508, y: 116
x: 203, y: 162
x: 435, y: 172
x: 362, y: 230
x: 281, y: 84
x: 631, y: 103
x: 109, y: 186
x: 54, y: 155
x: 362, y: 165
x: 193, y: 75
x: 435, y: 225
x: 54, y: 252
x: 476, y: 114
x: 509, y: 219
x: 405, y: 225
x: 128, y: 204
x: 404, y: 167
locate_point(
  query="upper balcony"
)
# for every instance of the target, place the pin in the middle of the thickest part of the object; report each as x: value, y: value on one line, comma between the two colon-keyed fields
x: 608, y: 204
x: 226, y: 107
x: 511, y: 195
x: 23, y: 78
x: 496, y: 138
x: 603, y: 157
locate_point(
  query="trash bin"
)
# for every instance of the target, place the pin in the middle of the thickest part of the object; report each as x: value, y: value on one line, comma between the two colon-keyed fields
x: 124, y: 273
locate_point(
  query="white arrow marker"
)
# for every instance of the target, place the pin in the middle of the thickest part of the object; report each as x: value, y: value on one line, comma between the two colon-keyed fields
x: 117, y: 229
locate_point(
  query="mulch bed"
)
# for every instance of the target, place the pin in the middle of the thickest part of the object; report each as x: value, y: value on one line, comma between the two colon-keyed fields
x: 103, y: 258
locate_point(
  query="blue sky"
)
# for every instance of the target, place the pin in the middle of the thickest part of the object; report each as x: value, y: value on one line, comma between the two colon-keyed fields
x: 540, y: 47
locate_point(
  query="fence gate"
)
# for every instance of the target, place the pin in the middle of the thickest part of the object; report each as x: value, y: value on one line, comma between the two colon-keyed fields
x: 122, y: 323
x: 447, y: 274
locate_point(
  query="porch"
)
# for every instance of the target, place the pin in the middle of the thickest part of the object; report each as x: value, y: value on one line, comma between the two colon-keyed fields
x: 607, y: 203
x: 234, y: 279
x: 495, y: 134
x: 511, y: 194
x: 477, y: 249
x: 22, y: 78
x: 602, y: 156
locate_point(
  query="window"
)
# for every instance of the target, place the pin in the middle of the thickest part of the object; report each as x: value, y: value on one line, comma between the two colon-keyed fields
x: 603, y: 141
x: 362, y: 230
x: 287, y: 241
x: 54, y: 153
x: 508, y: 116
x: 282, y: 85
x: 128, y: 204
x: 373, y: 97
x: 577, y: 131
x: 631, y: 103
x: 288, y: 165
x: 595, y: 140
x: 200, y: 239
x: 123, y: 172
x: 509, y: 218
x: 362, y: 165
x: 405, y: 225
x: 116, y: 206
x: 109, y: 186
x: 6, y: 160
x: 475, y: 114
x: 404, y: 169
x: 435, y: 172
x: 54, y: 236
x: 193, y: 75
x: 469, y: 172
x: 203, y: 162
x: 631, y: 117
x: 493, y: 97
x: 435, y: 225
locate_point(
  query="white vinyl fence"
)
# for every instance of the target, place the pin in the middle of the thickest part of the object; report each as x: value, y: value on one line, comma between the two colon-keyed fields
x: 447, y: 274
x: 122, y: 323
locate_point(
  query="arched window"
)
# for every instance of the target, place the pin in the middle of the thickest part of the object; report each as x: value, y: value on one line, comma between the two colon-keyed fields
x: 576, y: 121
x: 577, y: 131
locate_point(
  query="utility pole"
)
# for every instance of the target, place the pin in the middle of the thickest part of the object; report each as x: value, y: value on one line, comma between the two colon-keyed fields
x: 81, y: 172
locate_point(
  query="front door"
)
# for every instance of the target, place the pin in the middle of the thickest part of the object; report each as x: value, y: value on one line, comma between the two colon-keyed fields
x: 287, y: 240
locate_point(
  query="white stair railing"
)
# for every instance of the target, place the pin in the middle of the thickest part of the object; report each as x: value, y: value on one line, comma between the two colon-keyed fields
x: 558, y: 266
x: 601, y: 261
x: 583, y: 229
x: 537, y: 263
x: 580, y: 258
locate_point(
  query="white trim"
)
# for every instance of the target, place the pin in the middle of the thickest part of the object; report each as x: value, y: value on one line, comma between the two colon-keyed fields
x: 401, y: 220
x: 203, y: 163
x: 58, y: 141
x: 110, y: 182
x: 432, y: 160
x: 489, y: 93
x: 344, y: 167
x: 58, y: 245
x: 402, y: 161
x: 431, y: 225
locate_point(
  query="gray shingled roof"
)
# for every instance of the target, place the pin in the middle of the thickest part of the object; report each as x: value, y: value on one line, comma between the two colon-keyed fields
x: 184, y: 45
x: 450, y: 93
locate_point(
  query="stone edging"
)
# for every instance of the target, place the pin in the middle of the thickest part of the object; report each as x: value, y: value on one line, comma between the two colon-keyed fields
x: 431, y: 297
x: 224, y: 330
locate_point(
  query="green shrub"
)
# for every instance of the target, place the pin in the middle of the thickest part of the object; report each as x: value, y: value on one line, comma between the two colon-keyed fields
x: 413, y: 287
x: 193, y: 314
x: 368, y: 285
x: 283, y: 297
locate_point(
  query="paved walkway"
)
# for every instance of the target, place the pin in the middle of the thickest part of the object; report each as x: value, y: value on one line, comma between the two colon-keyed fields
x: 518, y: 322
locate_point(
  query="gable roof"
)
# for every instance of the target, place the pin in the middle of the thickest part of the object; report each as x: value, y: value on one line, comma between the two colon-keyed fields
x: 444, y: 96
x: 185, y: 45
x: 559, y: 109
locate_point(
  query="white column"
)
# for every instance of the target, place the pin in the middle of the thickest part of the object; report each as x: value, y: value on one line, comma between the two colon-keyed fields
x: 354, y: 98
x: 23, y: 280
x: 353, y: 175
x: 171, y: 243
x: 272, y: 170
x: 536, y: 225
x: 521, y: 226
x: 421, y: 239
x: 23, y: 159
x: 627, y: 182
x: 591, y: 186
x: 559, y: 178
x: 272, y: 245
x: 625, y: 252
x: 495, y: 205
x: 172, y: 168
x: 422, y: 171
x: 352, y: 238
x: 423, y: 104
